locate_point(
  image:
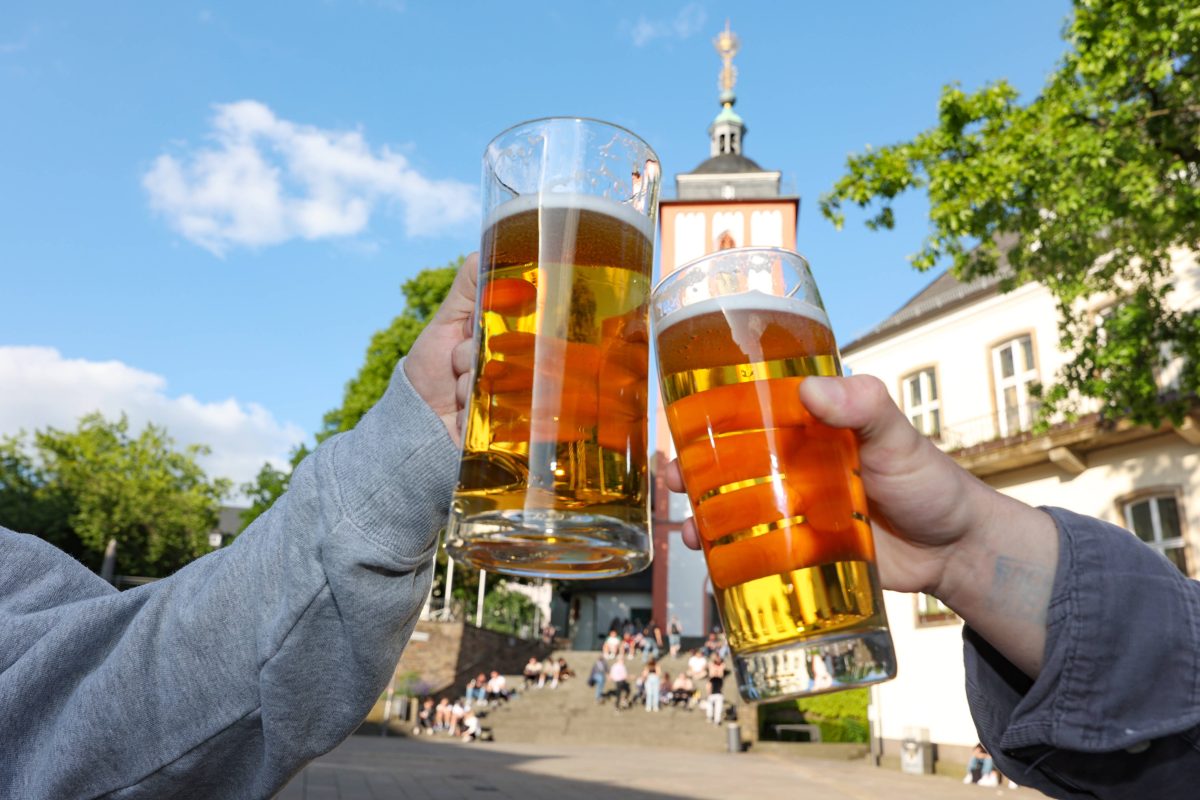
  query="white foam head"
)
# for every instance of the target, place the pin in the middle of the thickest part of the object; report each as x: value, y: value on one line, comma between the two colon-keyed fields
x: 753, y: 300
x: 601, y: 205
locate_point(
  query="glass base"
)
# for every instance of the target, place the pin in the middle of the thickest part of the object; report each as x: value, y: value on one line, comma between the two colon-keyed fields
x: 549, y: 544
x: 816, y: 665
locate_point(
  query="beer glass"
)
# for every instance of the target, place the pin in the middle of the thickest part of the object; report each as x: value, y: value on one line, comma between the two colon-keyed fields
x: 552, y: 480
x: 777, y: 497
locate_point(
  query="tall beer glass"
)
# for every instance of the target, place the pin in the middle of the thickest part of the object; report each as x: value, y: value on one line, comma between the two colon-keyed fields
x: 553, y: 473
x: 777, y: 497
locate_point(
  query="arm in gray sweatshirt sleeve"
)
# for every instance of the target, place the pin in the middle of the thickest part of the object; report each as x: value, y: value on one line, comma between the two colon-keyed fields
x: 226, y: 678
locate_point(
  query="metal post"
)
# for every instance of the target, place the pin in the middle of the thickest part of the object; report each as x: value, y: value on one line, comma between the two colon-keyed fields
x: 447, y: 601
x: 387, y: 705
x: 733, y: 737
x: 479, y: 604
x: 537, y: 611
x: 429, y: 596
x: 876, y: 727
x: 110, y: 561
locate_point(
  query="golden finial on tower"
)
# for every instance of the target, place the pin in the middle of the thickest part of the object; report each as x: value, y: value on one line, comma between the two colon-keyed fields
x: 727, y: 47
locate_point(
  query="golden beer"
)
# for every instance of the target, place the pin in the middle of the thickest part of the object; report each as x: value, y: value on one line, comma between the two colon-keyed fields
x: 553, y: 473
x: 777, y: 497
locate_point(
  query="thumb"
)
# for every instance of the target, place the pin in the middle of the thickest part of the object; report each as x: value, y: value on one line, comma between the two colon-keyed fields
x: 460, y: 300
x: 862, y: 404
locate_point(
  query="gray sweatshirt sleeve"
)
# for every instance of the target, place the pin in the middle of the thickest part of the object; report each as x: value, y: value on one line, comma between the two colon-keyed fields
x: 1115, y: 711
x: 226, y: 678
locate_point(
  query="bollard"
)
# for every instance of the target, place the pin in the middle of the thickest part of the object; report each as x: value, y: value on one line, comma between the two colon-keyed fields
x: 733, y: 737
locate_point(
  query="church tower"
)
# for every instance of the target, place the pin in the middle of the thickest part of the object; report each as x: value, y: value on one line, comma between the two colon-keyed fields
x: 727, y: 201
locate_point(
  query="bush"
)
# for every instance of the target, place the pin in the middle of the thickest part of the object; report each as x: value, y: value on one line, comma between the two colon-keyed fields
x: 508, y: 612
x: 842, y: 716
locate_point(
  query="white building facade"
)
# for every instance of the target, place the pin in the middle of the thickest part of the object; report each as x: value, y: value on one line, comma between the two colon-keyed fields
x: 959, y: 359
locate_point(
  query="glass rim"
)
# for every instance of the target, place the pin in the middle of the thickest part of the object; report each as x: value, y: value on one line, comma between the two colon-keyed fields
x: 569, y: 118
x: 664, y: 280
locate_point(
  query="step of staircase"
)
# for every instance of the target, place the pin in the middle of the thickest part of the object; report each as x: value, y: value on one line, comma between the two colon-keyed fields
x: 569, y: 713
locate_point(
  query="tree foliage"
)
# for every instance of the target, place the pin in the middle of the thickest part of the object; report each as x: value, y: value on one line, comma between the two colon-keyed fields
x: 1095, y: 183
x: 507, y: 611
x: 269, y: 484
x: 423, y: 294
x: 464, y: 589
x: 841, y: 716
x: 78, y: 489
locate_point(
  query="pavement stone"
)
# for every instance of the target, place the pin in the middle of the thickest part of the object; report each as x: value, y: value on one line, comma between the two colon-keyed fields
x: 401, y: 768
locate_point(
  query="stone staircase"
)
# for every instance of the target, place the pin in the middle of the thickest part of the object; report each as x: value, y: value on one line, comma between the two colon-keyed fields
x: 570, y: 714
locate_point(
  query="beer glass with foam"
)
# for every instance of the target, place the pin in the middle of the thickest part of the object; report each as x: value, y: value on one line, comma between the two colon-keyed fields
x: 552, y: 479
x: 777, y: 497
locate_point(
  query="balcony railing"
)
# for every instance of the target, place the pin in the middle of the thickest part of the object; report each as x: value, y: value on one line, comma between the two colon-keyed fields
x: 979, y: 430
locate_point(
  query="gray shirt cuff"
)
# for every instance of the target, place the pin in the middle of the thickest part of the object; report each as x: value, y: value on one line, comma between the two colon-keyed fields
x: 396, y: 471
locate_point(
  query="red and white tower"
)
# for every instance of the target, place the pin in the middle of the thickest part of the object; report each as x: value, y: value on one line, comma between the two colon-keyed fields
x: 727, y: 201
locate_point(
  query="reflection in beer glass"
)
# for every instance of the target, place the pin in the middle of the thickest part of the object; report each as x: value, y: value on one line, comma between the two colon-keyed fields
x: 777, y: 497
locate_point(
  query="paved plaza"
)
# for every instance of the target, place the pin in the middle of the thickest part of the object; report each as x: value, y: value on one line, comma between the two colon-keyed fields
x: 373, y: 768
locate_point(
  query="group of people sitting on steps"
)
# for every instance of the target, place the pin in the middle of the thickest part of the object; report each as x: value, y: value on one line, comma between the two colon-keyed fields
x: 699, y: 683
x: 539, y: 672
x: 459, y: 718
x: 452, y: 719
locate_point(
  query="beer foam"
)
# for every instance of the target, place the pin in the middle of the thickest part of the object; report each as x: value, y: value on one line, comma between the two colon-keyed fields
x: 601, y: 205
x: 753, y: 300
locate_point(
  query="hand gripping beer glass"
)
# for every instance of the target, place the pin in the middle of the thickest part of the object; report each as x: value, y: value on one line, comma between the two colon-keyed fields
x: 552, y: 480
x: 777, y: 497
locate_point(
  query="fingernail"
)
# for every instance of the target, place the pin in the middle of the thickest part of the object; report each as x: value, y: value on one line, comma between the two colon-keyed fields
x: 822, y: 391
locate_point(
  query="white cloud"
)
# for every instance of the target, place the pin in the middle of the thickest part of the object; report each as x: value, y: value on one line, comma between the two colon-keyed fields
x: 19, y: 45
x: 264, y: 180
x: 685, y: 24
x: 43, y: 389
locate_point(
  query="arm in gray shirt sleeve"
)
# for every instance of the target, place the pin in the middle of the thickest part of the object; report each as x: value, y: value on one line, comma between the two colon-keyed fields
x: 1115, y: 711
x: 226, y: 678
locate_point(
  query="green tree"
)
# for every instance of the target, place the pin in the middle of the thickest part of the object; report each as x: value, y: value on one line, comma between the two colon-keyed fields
x: 507, y: 611
x: 1088, y: 189
x: 80, y: 488
x: 269, y: 484
x: 503, y: 609
x: 28, y: 503
x: 465, y: 587
x: 423, y: 294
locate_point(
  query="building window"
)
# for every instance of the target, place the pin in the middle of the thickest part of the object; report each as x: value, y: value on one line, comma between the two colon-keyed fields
x: 921, y: 404
x: 1014, y: 370
x: 931, y: 611
x: 1156, y: 522
x: 728, y: 230
x: 689, y: 236
x: 766, y: 228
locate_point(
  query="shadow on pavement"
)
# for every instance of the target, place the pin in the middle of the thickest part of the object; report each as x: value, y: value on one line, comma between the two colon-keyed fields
x: 375, y: 767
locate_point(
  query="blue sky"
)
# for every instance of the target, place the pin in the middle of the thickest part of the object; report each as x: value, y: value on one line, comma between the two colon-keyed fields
x: 207, y: 208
